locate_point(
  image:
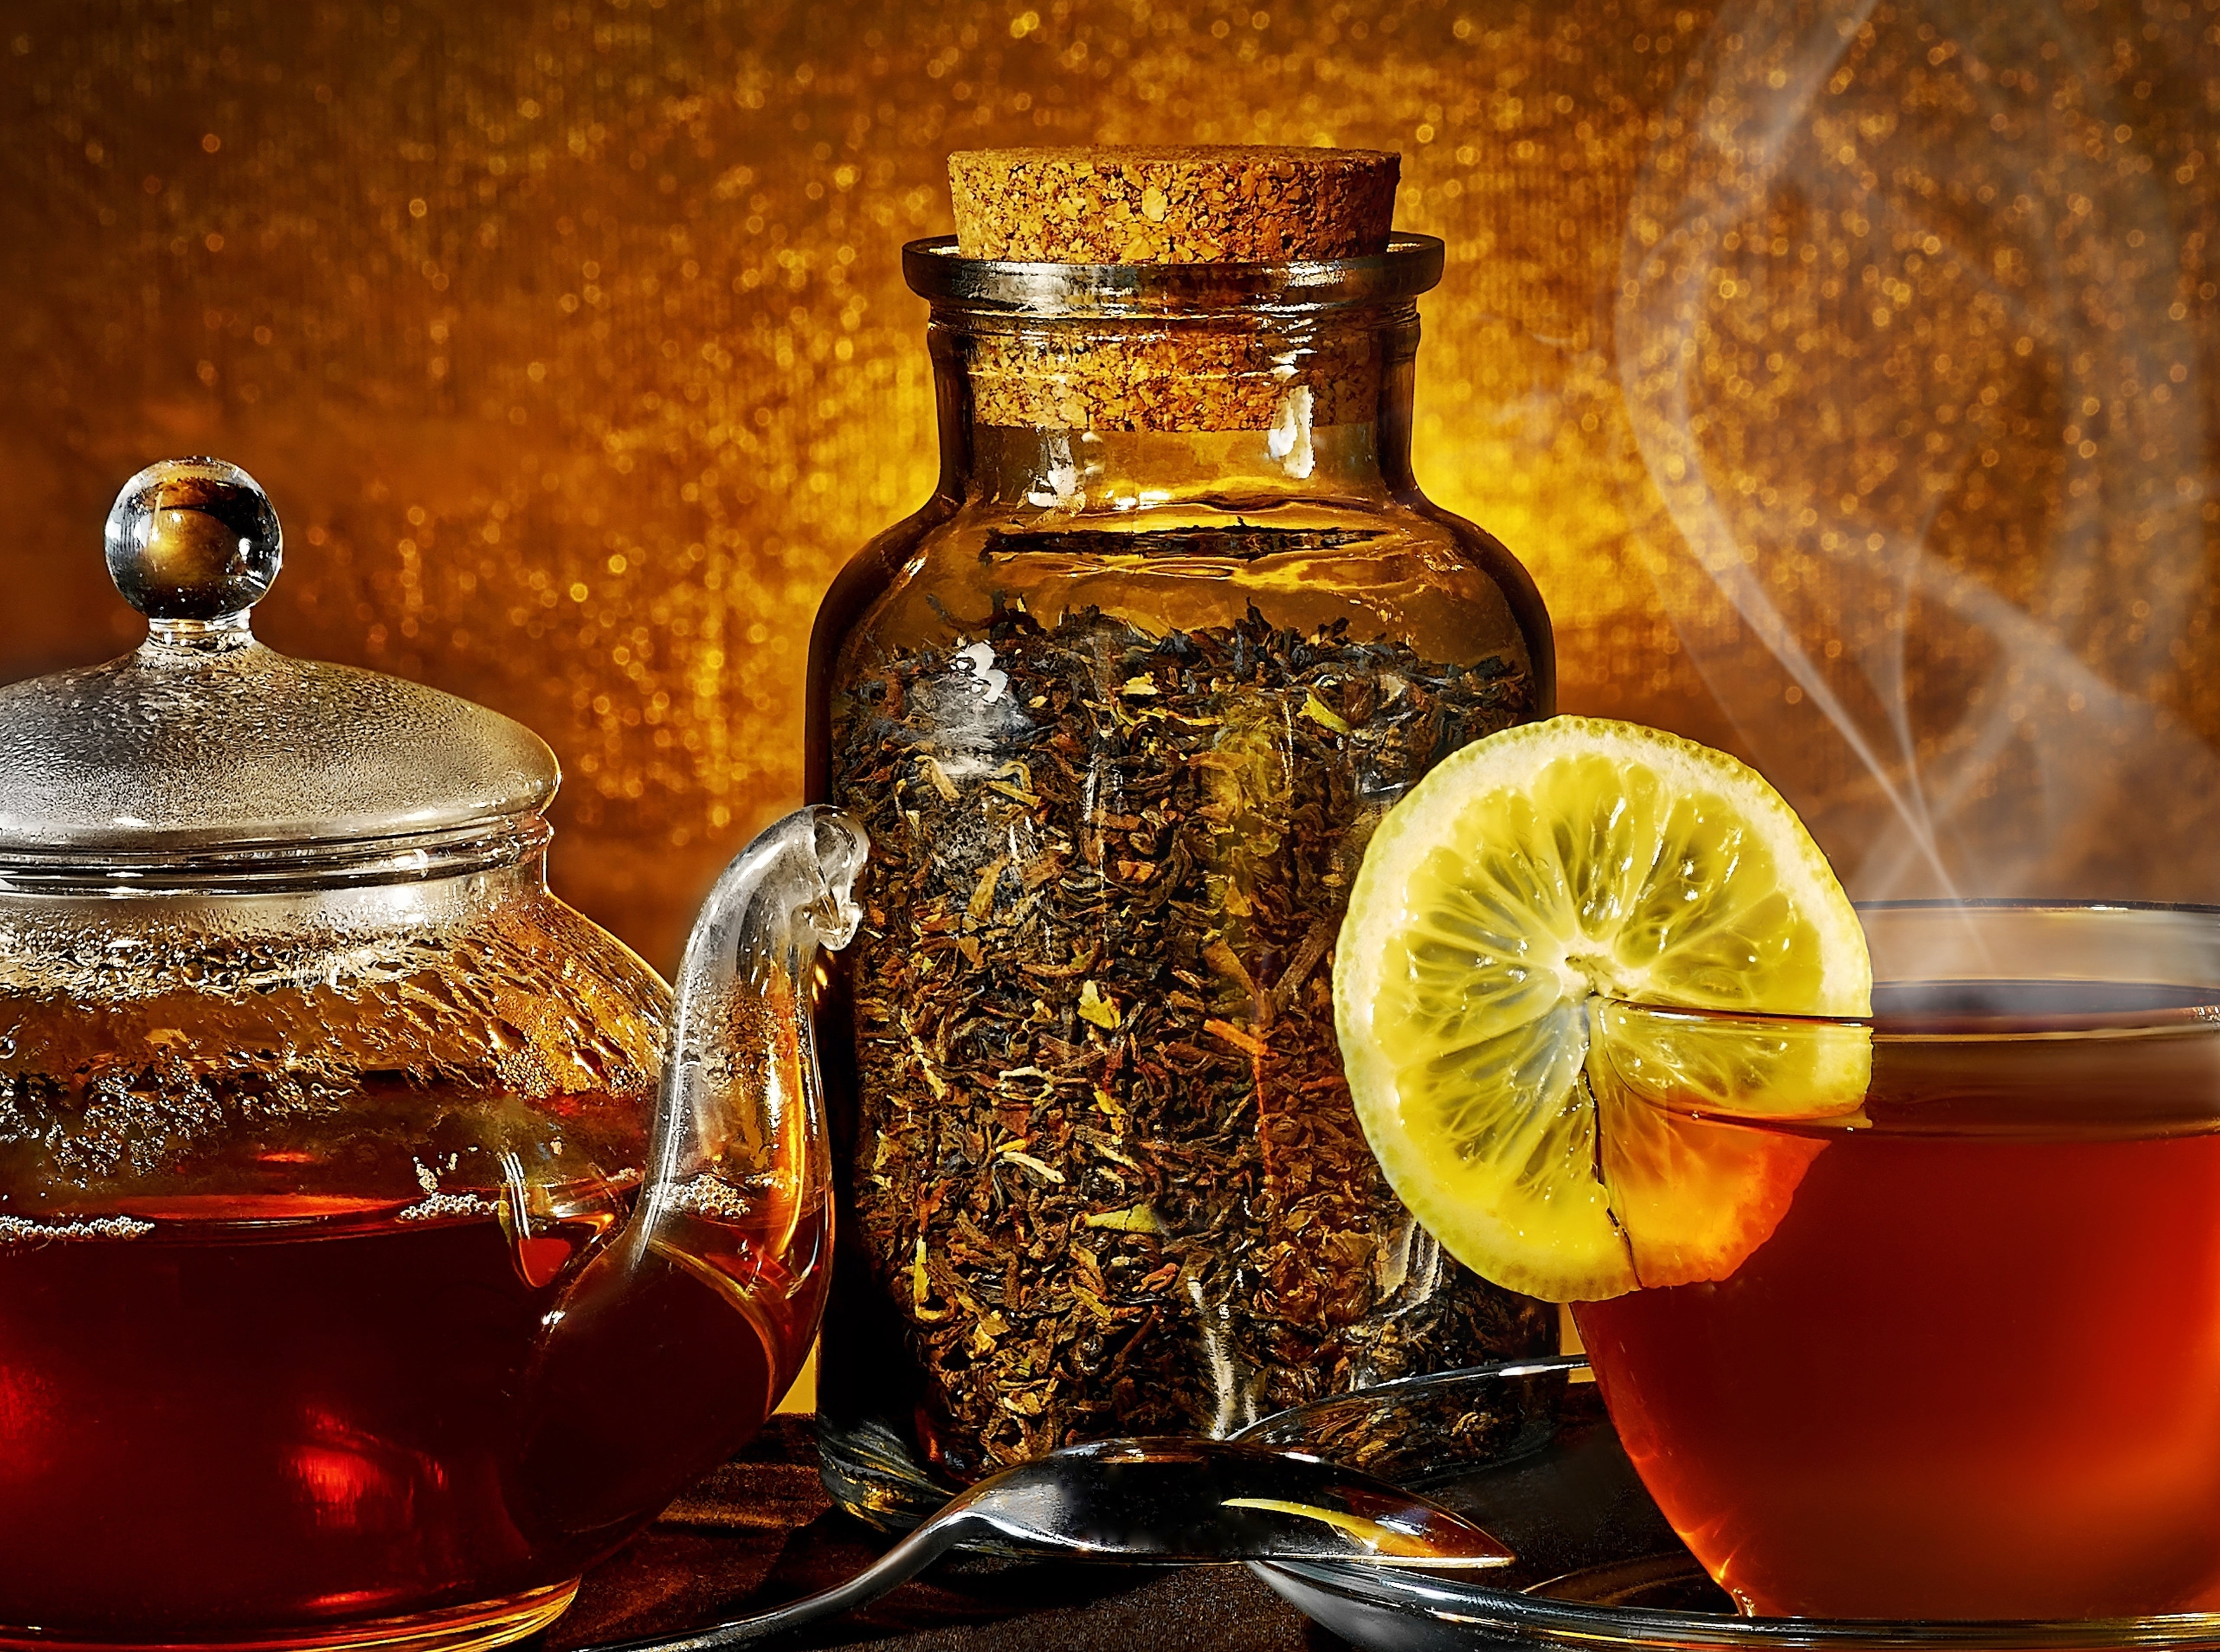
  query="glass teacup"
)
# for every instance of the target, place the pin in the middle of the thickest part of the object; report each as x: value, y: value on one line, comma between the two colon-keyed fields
x: 1974, y: 1370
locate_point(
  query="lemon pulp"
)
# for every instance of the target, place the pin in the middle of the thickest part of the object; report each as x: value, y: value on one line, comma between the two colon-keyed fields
x: 1545, y: 989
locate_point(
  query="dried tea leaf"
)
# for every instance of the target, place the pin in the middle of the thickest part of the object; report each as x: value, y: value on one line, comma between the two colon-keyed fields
x: 1317, y: 711
x: 1095, y: 1007
x: 1134, y: 1219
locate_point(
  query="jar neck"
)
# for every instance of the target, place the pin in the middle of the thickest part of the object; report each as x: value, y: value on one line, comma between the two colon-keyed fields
x: 1084, y: 415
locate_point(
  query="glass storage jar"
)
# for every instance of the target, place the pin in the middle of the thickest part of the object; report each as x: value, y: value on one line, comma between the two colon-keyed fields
x: 1119, y: 707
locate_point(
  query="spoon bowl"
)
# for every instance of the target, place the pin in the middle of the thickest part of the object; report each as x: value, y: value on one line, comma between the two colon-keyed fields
x: 1171, y: 1501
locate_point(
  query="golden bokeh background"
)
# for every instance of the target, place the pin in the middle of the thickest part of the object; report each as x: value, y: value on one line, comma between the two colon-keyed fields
x: 1813, y: 356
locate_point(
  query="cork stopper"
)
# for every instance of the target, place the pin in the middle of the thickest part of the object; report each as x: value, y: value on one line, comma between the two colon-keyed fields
x: 1204, y: 203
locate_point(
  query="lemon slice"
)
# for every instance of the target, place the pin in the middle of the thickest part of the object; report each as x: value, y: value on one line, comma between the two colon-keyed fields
x: 1544, y: 991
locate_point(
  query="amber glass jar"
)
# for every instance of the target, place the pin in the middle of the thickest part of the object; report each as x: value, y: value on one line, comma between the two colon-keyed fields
x: 1121, y: 707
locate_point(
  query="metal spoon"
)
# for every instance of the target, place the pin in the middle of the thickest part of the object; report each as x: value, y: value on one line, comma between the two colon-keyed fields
x: 1161, y: 1500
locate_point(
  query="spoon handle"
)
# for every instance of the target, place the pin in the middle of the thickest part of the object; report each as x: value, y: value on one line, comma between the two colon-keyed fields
x: 898, y: 1565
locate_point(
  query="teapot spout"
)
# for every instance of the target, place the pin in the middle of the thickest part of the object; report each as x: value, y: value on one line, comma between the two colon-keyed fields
x: 739, y: 1116
x: 710, y: 1296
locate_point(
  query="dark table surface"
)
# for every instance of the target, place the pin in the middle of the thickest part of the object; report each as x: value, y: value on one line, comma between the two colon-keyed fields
x: 760, y: 1531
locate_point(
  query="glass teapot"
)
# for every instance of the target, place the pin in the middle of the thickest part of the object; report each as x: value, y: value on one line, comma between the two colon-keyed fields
x: 379, y: 1246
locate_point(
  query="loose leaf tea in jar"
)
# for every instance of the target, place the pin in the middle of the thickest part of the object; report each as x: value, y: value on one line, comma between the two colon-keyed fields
x: 1119, y: 707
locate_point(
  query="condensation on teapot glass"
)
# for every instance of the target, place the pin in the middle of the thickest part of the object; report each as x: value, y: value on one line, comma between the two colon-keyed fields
x: 193, y: 544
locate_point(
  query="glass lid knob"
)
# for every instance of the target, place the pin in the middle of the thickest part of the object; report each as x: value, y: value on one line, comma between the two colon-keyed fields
x: 194, y: 540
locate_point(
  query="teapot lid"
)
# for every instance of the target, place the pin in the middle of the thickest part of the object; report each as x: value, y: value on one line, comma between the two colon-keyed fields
x: 204, y: 750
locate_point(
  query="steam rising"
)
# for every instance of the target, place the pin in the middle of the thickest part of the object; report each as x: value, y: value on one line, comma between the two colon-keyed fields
x: 1906, y: 331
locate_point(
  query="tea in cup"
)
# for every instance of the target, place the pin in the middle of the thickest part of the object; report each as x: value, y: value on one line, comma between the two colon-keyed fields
x: 1973, y: 1371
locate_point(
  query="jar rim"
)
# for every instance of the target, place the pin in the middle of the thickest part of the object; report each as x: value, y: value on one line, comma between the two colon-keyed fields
x: 1412, y: 264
